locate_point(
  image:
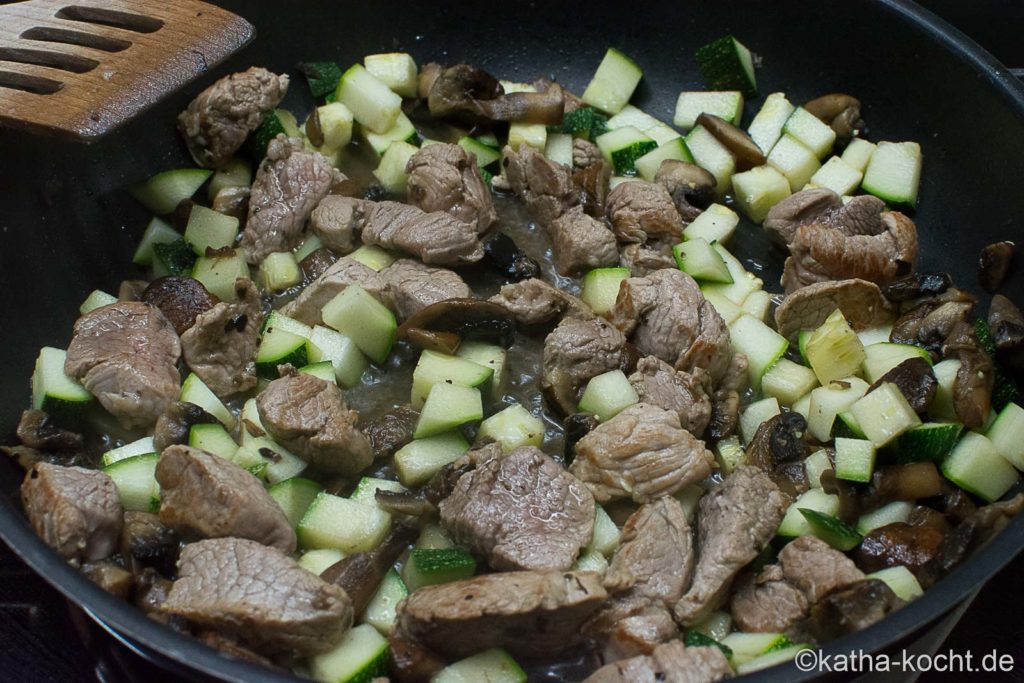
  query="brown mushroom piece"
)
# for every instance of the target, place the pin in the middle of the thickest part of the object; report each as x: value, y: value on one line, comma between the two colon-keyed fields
x: 972, y: 388
x: 841, y: 112
x: 1006, y: 324
x: 974, y: 531
x: 180, y: 299
x: 779, y: 440
x: 173, y: 426
x: 37, y: 430
x: 692, y: 188
x: 899, y: 544
x: 932, y: 321
x: 744, y: 150
x: 472, y: 96
x: 994, y: 264
x: 862, y: 303
x: 468, y: 318
x: 851, y: 609
x: 359, y: 574
x: 577, y: 426
x: 503, y: 255
x: 917, y: 285
x: 915, y: 380
x: 911, y: 481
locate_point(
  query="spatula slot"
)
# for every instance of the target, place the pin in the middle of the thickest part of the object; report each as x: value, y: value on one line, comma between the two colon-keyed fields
x: 32, y: 84
x: 69, y: 37
x: 106, y: 17
x: 56, y: 60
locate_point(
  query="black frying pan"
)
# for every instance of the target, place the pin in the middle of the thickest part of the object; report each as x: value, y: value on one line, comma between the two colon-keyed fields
x: 67, y: 227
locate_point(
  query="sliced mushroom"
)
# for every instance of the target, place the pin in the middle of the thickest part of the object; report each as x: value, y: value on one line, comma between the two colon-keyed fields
x: 692, y: 188
x: 505, y: 256
x: 577, y: 426
x: 1006, y: 323
x: 994, y: 265
x: 841, y: 112
x: 851, y: 609
x: 468, y: 318
x: 907, y: 482
x: 37, y: 431
x: 972, y: 388
x: 174, y: 425
x: 861, y: 302
x: 360, y: 573
x: 746, y: 152
x: 474, y: 97
x: 779, y: 440
x: 916, y: 285
x: 180, y: 299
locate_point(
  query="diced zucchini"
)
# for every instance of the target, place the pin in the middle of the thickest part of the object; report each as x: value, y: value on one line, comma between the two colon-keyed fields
x: 830, y: 400
x: 391, y: 170
x: 894, y: 173
x: 334, y: 522
x: 815, y: 465
x: 833, y: 350
x: 762, y: 345
x: 606, y: 535
x: 158, y: 231
x: 348, y: 361
x: 162, y: 193
x: 268, y: 459
x: 195, y: 391
x: 613, y: 83
x: 173, y: 258
x: 882, y: 357
x: 896, y: 511
x: 802, y: 406
x: 558, y: 148
x: 419, y: 460
x: 726, y: 105
x: 756, y: 413
x: 697, y: 258
x: 279, y: 321
x: 295, y: 495
x: 774, y: 657
x: 645, y: 123
x: 729, y: 311
x: 884, y: 414
x: 365, y: 491
x: 901, y: 580
x: 743, y: 282
x: 448, y: 406
x: 316, y: 561
x: 430, y: 567
x: 591, y: 561
x: 278, y: 347
x: 747, y: 646
x: 622, y: 147
x: 585, y: 122
x: 485, y: 154
x: 533, y: 135
x: 601, y: 288
x: 372, y: 256
x: 858, y: 154
x: 794, y: 524
x: 607, y: 395
x: 788, y: 381
x: 730, y: 454
x: 489, y: 356
x: 756, y: 191
x: 439, y: 368
x: 942, y: 408
x: 213, y: 439
x: 402, y: 131
x: 434, y: 536
x: 371, y: 101
x: 218, y: 273
x: 975, y: 465
x: 361, y: 656
x: 838, y: 176
x: 855, y: 459
x: 716, y: 223
x: 279, y: 271
x: 758, y: 304
x: 357, y: 315
x: 793, y: 159
x: 309, y: 245
x: 397, y: 70
x: 1007, y: 434
x: 832, y: 530
x: 807, y: 128
x: 324, y: 370
x: 336, y: 127
x: 380, y: 611
x: 847, y: 427
x: 209, y: 229
x: 766, y: 128
x: 513, y: 427
x: 931, y: 441
x: 874, y: 335
x: 140, y: 447
x: 135, y: 479
x: 727, y: 65
x: 274, y: 123
x: 712, y: 156
x: 716, y: 626
x: 647, y: 165
x: 97, y: 299
x: 489, y: 666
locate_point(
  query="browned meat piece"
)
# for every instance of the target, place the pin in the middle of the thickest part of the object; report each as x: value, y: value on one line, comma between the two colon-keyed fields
x: 767, y: 602
x: 851, y: 609
x: 231, y: 648
x: 289, y: 184
x: 644, y: 259
x: 691, y: 187
x: 232, y: 201
x: 446, y: 178
x: 180, y: 299
x: 585, y: 153
x: 862, y: 303
x: 800, y: 208
x: 686, y: 394
x: 36, y: 430
x: 672, y: 662
x: 307, y: 306
x: 972, y: 388
x: 76, y: 511
x: 332, y: 222
x: 206, y: 496
x: 545, y: 186
x: 533, y: 614
x: 575, y: 352
x: 260, y: 596
x: 221, y: 346
x: 1006, y: 323
x: 816, y: 568
x: 640, y: 210
x: 126, y: 354
x: 308, y: 416
x: 825, y: 252
x: 655, y: 559
x: 581, y: 243
x: 111, y: 577
x: 535, y: 302
x: 520, y: 512
x: 665, y: 315
x: 413, y: 286
x: 735, y: 523
x: 391, y: 430
x: 640, y: 454
x: 436, y: 238
x: 216, y: 123
x: 174, y: 424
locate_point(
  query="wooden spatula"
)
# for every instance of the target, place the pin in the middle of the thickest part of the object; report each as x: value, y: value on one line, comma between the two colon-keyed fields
x: 80, y: 68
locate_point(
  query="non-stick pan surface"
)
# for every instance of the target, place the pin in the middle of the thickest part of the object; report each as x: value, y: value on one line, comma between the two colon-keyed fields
x: 67, y: 227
